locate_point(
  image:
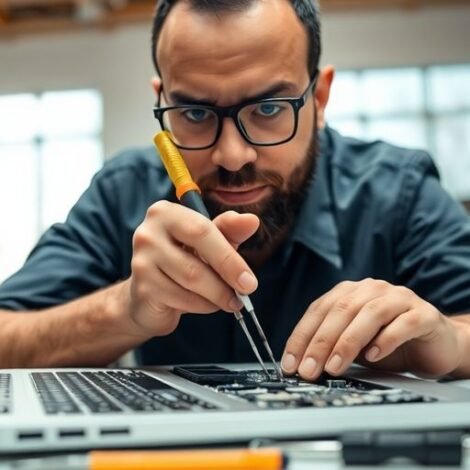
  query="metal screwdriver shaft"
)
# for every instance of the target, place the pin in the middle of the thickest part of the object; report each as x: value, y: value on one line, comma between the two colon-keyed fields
x: 242, y: 323
x: 250, y: 309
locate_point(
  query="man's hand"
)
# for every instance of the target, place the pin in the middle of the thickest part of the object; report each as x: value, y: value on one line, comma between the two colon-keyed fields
x: 183, y: 262
x: 378, y: 325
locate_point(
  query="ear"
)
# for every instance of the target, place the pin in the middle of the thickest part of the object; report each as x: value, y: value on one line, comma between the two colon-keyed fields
x: 322, y: 93
x: 156, y: 85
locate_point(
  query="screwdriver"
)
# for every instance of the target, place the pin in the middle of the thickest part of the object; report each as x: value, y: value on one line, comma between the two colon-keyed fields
x: 189, y: 194
x: 195, y: 459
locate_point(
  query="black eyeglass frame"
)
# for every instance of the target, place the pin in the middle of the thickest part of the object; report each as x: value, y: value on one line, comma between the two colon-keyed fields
x: 232, y: 112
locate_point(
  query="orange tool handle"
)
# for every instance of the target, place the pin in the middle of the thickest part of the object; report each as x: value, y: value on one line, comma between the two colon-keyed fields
x: 174, y: 164
x: 226, y: 459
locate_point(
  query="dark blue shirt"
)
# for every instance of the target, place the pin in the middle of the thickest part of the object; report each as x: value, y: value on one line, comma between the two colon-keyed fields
x: 373, y: 210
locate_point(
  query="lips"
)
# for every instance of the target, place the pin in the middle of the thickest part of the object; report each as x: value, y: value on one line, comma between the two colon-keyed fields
x: 238, y: 196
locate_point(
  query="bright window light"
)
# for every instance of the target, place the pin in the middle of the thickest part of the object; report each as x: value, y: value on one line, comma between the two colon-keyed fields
x: 449, y: 88
x: 65, y: 171
x: 426, y: 108
x: 19, y: 118
x: 50, y: 147
x: 18, y: 204
x: 391, y: 91
x: 70, y: 113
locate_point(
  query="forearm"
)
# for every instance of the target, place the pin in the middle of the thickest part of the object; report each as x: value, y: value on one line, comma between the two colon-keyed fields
x: 91, y: 331
x: 462, y: 325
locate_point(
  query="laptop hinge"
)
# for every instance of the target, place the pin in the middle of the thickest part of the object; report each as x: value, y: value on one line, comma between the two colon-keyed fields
x: 433, y: 448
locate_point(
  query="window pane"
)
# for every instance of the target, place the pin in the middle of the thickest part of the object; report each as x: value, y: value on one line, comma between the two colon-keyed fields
x: 449, y: 88
x: 453, y: 154
x: 392, y: 91
x: 67, y: 168
x: 406, y: 132
x: 18, y: 206
x: 70, y: 113
x: 18, y: 118
x: 348, y: 127
x: 344, y: 96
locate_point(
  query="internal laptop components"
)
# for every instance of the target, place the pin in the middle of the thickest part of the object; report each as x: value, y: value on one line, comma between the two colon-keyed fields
x: 256, y: 387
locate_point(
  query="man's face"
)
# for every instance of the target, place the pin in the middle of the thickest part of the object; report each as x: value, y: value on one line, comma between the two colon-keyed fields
x: 224, y: 60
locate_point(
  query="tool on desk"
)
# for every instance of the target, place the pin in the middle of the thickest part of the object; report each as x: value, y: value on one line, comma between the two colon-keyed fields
x: 436, y: 449
x: 188, y: 192
x: 199, y: 459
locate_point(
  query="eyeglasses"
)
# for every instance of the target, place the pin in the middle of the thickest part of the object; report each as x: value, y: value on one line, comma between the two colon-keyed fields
x: 263, y: 122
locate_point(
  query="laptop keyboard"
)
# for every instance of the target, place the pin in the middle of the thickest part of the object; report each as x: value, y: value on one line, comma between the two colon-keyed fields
x: 5, y: 393
x: 110, y: 392
x: 54, y: 397
x: 94, y: 399
x: 118, y: 391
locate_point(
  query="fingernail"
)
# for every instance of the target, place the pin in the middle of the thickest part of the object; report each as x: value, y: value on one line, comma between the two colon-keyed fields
x: 247, y: 281
x: 235, y: 304
x: 373, y: 353
x: 308, y: 367
x: 288, y: 363
x: 334, y: 363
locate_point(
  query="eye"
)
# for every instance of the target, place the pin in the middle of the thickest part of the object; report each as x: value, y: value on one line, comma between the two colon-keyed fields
x: 196, y: 114
x: 268, y: 109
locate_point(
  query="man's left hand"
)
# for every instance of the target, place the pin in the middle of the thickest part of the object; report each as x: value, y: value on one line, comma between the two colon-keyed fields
x: 376, y: 324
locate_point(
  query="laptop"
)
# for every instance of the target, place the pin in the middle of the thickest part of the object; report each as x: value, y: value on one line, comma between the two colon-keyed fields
x: 44, y: 410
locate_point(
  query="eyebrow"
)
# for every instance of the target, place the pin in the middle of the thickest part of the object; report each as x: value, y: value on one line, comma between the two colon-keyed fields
x: 181, y: 98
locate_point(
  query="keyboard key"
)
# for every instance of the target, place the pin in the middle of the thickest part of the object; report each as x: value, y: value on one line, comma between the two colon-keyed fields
x: 5, y: 393
x: 53, y: 395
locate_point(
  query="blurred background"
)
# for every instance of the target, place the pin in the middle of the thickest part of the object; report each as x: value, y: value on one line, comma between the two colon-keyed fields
x: 75, y: 89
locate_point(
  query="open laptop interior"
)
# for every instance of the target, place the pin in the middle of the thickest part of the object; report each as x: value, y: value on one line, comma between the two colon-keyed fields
x: 45, y: 410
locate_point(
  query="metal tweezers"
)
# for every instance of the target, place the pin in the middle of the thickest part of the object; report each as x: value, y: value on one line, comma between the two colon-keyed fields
x: 239, y: 316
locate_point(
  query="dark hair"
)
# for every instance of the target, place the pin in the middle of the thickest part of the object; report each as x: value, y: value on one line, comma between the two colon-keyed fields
x: 306, y: 10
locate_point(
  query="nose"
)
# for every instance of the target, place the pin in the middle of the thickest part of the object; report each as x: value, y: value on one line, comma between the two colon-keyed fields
x: 232, y: 151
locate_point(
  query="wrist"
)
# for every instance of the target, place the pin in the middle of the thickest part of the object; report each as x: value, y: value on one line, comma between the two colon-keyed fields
x: 118, y: 308
x: 462, y: 332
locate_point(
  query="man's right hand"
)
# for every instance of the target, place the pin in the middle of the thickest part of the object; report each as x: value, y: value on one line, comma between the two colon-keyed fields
x: 183, y: 262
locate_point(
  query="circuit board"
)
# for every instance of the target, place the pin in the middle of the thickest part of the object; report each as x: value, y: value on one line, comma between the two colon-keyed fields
x: 265, y: 391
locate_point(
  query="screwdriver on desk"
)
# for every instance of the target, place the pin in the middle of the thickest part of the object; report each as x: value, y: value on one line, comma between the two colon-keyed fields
x: 205, y: 459
x: 188, y: 192
x: 270, y: 456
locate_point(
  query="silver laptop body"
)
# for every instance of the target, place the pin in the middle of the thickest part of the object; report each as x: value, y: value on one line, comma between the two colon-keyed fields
x: 53, y: 409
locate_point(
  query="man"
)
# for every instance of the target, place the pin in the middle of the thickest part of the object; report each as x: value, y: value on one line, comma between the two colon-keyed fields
x: 359, y: 263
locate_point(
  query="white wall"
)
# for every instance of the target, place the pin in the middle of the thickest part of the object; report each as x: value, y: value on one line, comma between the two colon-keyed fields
x: 117, y: 62
x: 394, y: 38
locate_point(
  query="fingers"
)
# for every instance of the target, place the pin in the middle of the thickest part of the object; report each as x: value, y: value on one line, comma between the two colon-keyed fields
x: 410, y: 325
x: 187, y: 271
x: 194, y: 230
x: 182, y: 262
x: 306, y: 328
x: 237, y: 228
x: 351, y: 317
x: 179, y: 298
x: 163, y: 300
x: 362, y: 329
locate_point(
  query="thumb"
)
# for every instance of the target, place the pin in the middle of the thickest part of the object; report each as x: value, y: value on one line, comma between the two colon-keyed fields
x: 237, y: 227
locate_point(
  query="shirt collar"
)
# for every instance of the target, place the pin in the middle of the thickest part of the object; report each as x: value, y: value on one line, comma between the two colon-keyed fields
x: 315, y: 226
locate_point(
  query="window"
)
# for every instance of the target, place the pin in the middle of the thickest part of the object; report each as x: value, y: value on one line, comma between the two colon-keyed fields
x: 426, y: 108
x: 50, y: 147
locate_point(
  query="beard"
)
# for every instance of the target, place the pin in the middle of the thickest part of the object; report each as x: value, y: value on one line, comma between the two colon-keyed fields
x: 276, y: 212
